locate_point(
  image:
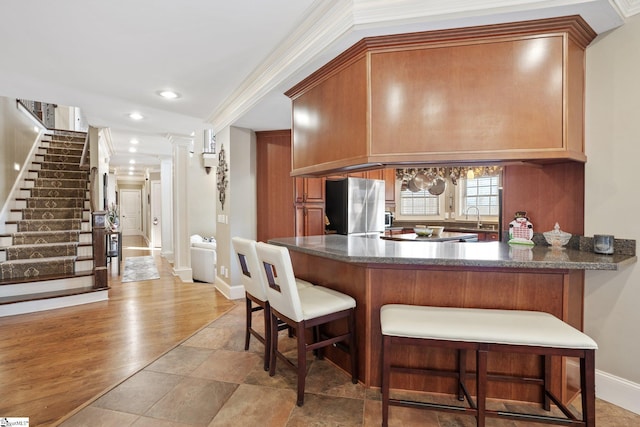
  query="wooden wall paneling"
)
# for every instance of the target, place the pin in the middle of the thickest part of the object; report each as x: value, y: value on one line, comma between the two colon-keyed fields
x: 552, y: 193
x: 275, y: 189
x: 329, y: 120
x: 373, y: 287
x: 486, y: 96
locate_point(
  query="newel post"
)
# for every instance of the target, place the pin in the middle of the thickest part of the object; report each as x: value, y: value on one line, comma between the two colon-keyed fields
x: 98, y: 226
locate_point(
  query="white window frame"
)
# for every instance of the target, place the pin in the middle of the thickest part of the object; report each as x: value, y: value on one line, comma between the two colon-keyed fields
x: 398, y: 216
x: 461, y: 207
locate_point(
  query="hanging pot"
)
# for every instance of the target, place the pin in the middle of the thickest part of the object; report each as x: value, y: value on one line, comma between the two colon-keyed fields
x: 422, y: 181
x: 438, y: 187
x: 411, y: 185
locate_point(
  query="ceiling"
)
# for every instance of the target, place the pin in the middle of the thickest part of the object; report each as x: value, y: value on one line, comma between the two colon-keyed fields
x: 230, y: 61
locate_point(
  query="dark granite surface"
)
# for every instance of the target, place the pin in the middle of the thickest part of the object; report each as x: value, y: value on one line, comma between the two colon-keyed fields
x: 375, y: 250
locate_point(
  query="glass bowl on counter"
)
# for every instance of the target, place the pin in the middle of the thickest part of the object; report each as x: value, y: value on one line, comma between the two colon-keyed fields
x: 422, y: 230
x: 556, y: 237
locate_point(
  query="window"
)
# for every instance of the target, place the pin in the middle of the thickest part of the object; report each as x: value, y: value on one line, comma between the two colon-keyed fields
x: 480, y: 192
x: 420, y: 204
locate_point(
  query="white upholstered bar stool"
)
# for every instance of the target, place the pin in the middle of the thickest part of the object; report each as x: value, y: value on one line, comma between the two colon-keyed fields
x: 253, y: 280
x: 483, y: 331
x: 302, y: 309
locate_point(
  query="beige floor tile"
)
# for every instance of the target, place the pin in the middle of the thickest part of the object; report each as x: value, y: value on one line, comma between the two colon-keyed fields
x: 92, y: 416
x: 321, y: 410
x: 155, y: 422
x: 193, y: 401
x: 219, y: 338
x: 138, y: 393
x: 182, y: 360
x: 398, y: 417
x: 252, y: 405
x: 325, y: 378
x: 228, y: 366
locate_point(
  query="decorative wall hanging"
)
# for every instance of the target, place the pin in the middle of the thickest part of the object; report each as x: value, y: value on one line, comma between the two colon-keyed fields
x: 223, y: 168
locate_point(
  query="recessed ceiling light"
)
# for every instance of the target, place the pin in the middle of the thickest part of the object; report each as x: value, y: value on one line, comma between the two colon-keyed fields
x: 136, y: 116
x: 132, y: 149
x: 131, y: 168
x: 130, y: 173
x: 131, y: 162
x: 169, y: 94
x: 134, y: 141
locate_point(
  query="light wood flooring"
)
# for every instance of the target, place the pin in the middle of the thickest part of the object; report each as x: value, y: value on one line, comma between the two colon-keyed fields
x: 53, y: 362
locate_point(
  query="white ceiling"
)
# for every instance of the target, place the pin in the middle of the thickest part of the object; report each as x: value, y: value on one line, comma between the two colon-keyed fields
x: 231, y: 61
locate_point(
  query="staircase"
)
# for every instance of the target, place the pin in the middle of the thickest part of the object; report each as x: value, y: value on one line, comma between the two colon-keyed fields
x: 46, y: 253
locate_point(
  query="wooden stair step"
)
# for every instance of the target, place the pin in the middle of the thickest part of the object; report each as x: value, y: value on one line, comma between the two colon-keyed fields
x: 45, y: 278
x: 50, y: 295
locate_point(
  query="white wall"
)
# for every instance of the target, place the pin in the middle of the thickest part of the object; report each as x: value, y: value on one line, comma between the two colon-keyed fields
x: 202, y: 193
x: 612, y: 315
x: 239, y: 217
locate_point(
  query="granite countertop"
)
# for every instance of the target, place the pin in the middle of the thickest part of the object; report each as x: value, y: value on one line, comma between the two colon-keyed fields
x: 376, y: 250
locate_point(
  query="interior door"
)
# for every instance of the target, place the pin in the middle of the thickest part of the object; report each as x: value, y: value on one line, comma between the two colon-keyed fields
x: 130, y: 212
x: 156, y: 214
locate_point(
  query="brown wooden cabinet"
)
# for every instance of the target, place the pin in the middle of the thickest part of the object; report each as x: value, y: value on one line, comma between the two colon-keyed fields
x: 309, y: 190
x: 309, y: 219
x: 309, y: 207
x: 275, y: 186
x: 496, y: 93
x: 286, y: 206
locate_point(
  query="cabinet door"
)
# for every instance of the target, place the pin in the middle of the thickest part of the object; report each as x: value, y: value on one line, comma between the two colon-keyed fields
x: 314, y: 220
x: 275, y: 187
x: 309, y: 190
x: 389, y: 176
x: 309, y: 220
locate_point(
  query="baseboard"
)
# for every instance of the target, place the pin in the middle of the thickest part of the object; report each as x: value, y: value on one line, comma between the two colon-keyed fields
x: 185, y: 274
x: 230, y: 292
x: 618, y: 391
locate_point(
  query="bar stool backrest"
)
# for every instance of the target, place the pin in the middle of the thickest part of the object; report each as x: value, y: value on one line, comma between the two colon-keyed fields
x: 253, y: 278
x: 281, y: 282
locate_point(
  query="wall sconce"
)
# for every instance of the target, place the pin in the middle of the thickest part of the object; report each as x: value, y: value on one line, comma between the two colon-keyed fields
x: 208, y: 161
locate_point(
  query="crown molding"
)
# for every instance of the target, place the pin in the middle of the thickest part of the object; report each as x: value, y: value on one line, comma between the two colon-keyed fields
x: 325, y: 22
x: 628, y: 8
x: 329, y: 21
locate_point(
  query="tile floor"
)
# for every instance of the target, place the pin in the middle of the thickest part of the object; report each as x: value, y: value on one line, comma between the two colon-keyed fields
x: 209, y: 380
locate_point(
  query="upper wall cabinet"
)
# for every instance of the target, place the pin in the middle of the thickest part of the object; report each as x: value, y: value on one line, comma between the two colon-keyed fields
x: 509, y: 92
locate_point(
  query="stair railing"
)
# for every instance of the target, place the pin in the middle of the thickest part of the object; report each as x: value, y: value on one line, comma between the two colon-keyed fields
x: 84, y: 160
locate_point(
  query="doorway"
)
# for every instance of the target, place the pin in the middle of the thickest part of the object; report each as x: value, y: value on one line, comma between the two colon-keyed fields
x: 130, y: 212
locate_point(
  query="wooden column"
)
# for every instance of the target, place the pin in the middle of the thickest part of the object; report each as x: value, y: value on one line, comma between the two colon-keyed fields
x: 98, y: 226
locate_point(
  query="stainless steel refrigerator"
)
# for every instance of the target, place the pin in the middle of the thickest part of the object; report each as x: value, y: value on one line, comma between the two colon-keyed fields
x: 355, y: 205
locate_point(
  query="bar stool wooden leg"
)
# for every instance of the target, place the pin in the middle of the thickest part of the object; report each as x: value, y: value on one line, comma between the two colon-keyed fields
x: 386, y: 372
x: 462, y: 373
x: 302, y: 362
x: 247, y: 334
x: 546, y: 363
x: 267, y: 336
x: 481, y: 385
x: 353, y: 347
x: 587, y: 382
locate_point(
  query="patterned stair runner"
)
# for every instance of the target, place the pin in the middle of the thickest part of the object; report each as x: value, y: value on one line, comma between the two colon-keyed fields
x: 48, y: 235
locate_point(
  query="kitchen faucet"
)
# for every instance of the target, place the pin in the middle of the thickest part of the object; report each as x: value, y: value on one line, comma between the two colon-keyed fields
x: 479, y: 224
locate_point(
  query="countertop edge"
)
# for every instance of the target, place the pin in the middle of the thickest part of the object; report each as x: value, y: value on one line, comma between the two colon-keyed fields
x: 592, y: 261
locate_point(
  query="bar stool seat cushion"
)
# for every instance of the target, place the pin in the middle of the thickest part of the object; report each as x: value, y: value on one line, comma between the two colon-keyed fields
x: 318, y: 301
x: 512, y: 327
x: 301, y: 283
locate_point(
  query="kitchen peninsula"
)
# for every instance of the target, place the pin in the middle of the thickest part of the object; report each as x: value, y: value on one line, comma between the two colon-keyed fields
x: 450, y: 274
